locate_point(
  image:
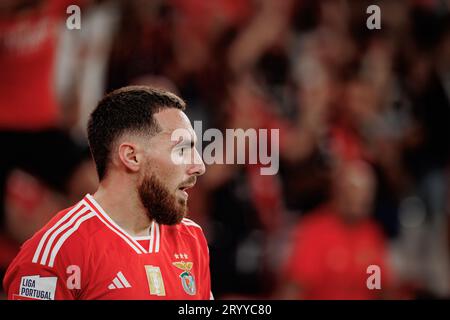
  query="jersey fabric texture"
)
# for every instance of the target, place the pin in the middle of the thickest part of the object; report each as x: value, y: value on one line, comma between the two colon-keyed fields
x: 83, y: 254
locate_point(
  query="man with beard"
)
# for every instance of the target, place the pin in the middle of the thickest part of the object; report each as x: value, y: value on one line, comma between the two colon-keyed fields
x: 130, y: 239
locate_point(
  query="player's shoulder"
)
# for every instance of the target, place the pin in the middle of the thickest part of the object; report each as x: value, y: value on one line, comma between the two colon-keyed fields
x: 67, y: 231
x: 189, y: 228
x: 190, y: 224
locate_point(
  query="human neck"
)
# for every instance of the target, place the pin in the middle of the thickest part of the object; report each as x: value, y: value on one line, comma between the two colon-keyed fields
x: 121, y: 202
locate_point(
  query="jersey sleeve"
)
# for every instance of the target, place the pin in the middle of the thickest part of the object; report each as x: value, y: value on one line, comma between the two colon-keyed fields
x: 32, y: 281
x: 59, y: 277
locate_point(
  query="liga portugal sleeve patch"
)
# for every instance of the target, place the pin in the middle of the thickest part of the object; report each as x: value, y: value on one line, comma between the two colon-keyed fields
x: 36, y: 287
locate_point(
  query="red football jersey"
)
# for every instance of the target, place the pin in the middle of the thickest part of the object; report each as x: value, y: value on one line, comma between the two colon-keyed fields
x: 83, y: 254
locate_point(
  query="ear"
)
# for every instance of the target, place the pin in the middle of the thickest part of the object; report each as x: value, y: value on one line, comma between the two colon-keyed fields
x: 129, y: 156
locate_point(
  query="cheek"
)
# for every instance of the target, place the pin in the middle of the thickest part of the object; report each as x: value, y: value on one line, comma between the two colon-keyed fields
x: 171, y: 175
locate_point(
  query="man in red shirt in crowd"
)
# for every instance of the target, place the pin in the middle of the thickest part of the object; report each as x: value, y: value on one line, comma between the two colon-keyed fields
x: 334, y: 246
x: 130, y: 239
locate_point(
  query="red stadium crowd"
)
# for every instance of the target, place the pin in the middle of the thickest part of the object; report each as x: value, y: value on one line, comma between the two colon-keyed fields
x: 364, y: 120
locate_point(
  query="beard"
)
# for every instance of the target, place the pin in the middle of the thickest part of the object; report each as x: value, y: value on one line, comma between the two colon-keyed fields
x: 161, y: 205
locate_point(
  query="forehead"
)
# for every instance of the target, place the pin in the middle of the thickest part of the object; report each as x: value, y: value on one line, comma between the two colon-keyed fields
x: 172, y: 119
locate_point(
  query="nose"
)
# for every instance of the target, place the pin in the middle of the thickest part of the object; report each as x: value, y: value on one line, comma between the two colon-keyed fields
x: 198, y: 167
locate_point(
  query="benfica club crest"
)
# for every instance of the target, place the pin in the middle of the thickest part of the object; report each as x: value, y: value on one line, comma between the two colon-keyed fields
x: 187, y: 278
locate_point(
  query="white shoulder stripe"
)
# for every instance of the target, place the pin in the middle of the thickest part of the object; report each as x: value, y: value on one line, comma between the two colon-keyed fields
x: 58, y: 232
x: 49, y: 231
x: 189, y: 222
x: 67, y: 235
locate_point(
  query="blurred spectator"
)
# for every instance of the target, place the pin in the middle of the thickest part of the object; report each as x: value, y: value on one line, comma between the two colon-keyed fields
x: 333, y: 246
x: 31, y: 118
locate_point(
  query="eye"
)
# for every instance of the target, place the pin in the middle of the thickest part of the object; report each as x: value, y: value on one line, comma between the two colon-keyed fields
x: 181, y: 152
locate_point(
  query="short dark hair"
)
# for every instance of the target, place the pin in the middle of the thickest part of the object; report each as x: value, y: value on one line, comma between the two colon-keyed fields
x: 128, y: 109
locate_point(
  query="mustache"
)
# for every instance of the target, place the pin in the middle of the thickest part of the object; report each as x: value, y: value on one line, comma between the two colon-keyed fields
x: 189, y: 182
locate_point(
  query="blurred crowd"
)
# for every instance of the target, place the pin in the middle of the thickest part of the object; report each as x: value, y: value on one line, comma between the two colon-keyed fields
x: 364, y: 120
